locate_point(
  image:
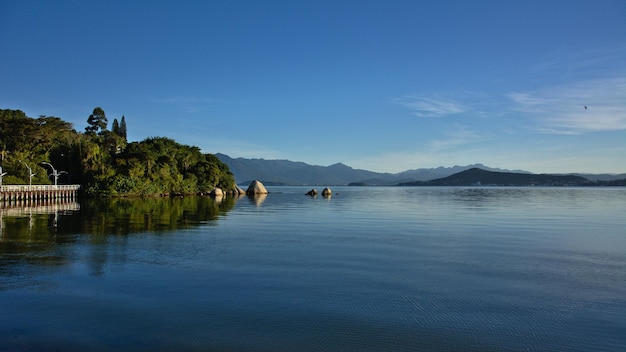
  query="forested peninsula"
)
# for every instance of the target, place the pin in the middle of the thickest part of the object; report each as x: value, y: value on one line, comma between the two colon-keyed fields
x: 102, y: 161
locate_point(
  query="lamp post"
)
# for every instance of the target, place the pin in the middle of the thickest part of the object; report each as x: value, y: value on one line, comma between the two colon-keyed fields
x: 54, y: 173
x: 1, y: 176
x: 30, y: 174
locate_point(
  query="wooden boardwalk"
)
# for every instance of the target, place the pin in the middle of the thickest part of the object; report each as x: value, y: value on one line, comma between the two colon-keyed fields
x: 13, y: 194
x: 50, y: 207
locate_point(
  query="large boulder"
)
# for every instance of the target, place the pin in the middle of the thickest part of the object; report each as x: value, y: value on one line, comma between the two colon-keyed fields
x: 256, y: 187
x: 216, y: 192
x: 327, y: 192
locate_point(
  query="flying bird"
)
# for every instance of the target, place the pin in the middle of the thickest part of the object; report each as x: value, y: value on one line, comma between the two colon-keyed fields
x: 585, y: 107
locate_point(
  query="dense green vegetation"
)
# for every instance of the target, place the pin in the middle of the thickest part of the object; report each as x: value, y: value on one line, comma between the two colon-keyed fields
x: 102, y: 160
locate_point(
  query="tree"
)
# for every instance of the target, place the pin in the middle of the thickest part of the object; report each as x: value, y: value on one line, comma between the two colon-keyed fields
x: 115, y: 128
x: 97, y: 121
x: 102, y: 161
x: 113, y: 143
x: 123, y: 127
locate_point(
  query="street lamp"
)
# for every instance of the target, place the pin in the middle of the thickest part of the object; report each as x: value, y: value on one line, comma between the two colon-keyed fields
x: 54, y: 172
x: 30, y: 174
x: 1, y: 176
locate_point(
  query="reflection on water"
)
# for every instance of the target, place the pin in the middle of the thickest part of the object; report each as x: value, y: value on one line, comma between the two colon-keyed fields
x: 372, y: 269
x: 126, y: 215
x: 257, y: 199
x: 26, y: 231
x: 116, y: 216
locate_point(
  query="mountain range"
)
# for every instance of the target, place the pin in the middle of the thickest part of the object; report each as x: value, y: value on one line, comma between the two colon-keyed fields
x: 480, y: 177
x: 292, y: 173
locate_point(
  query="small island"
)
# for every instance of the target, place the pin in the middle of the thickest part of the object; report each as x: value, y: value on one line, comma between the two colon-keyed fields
x: 480, y: 177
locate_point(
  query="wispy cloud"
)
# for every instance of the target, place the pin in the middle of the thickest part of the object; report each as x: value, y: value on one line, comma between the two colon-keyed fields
x: 455, y: 137
x: 599, y: 60
x: 413, y: 159
x: 423, y: 106
x: 561, y: 110
x: 235, y: 147
x: 458, y: 144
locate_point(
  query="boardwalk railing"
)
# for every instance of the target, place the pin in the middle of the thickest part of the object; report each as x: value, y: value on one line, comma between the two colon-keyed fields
x: 22, y: 193
x: 49, y: 208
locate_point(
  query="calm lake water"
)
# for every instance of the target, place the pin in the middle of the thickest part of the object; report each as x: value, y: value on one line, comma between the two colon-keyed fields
x: 369, y: 269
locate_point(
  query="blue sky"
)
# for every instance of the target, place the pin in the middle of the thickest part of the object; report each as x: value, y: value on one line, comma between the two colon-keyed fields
x: 379, y: 85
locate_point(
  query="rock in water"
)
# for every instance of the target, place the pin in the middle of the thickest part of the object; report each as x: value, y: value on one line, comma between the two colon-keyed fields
x: 216, y: 192
x: 256, y: 187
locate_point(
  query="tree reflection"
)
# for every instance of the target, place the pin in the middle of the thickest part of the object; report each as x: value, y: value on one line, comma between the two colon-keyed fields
x: 30, y: 234
x: 123, y: 216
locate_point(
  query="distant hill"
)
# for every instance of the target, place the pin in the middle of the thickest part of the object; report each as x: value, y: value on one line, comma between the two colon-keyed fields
x: 293, y: 173
x: 285, y: 172
x: 603, y: 177
x: 440, y: 172
x: 476, y: 176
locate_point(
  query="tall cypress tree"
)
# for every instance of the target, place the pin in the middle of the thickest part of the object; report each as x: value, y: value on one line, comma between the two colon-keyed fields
x: 122, y: 127
x: 116, y: 127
